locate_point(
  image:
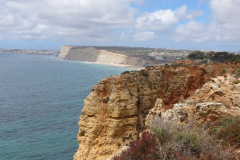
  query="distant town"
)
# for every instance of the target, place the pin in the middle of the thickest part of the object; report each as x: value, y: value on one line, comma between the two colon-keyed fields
x: 30, y: 51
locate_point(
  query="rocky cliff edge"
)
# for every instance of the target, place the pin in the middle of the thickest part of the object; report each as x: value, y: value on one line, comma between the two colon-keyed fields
x: 119, y: 108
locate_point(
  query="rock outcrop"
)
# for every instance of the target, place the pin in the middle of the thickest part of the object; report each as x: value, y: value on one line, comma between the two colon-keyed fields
x: 217, y: 98
x: 119, y: 108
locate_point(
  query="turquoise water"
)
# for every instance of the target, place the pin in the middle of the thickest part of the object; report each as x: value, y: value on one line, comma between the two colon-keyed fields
x: 41, y: 98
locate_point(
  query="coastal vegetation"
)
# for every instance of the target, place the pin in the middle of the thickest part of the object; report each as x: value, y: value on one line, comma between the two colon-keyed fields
x: 144, y: 73
x: 227, y: 129
x: 237, y: 73
x: 167, y: 140
x: 134, y: 51
x: 215, y: 56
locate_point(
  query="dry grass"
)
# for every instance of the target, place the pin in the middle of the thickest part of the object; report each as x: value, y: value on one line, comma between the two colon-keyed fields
x: 170, y: 141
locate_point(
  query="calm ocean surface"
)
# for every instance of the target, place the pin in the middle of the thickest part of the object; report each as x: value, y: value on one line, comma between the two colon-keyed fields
x: 41, y: 98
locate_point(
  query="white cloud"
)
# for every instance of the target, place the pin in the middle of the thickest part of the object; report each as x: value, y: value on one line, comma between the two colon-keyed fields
x: 223, y: 27
x: 144, y: 36
x: 181, y: 13
x: 90, y: 21
x: 191, y: 32
x: 225, y: 20
x: 73, y: 18
x: 158, y: 20
x: 202, y: 2
x: 162, y: 20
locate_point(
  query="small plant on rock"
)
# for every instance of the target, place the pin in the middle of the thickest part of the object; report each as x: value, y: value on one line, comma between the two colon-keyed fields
x: 144, y: 73
x: 223, y: 71
x: 125, y: 72
x: 236, y: 81
x: 167, y: 65
x: 106, y: 100
x: 237, y: 73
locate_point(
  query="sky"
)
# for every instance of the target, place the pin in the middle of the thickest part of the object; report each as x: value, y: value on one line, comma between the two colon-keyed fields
x: 174, y: 24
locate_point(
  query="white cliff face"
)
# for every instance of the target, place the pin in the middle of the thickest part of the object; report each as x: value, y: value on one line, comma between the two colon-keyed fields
x: 64, y: 51
x: 111, y: 58
x: 92, y: 55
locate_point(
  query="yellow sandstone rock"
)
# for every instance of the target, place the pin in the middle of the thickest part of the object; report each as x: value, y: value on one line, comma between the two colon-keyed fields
x: 119, y: 108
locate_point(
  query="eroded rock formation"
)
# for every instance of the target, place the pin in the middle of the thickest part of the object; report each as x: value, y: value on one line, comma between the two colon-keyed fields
x: 119, y: 108
x: 217, y: 98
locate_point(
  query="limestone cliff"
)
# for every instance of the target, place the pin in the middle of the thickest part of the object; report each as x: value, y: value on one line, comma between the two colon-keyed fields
x: 120, y: 107
x: 91, y: 54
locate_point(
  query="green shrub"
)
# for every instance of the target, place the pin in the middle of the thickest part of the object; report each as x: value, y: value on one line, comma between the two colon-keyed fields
x: 237, y: 73
x: 236, y: 82
x: 144, y: 73
x: 222, y: 123
x: 223, y: 56
x: 170, y: 141
x: 186, y: 142
x: 196, y: 55
x: 167, y: 66
x: 106, y: 100
x: 162, y: 134
x: 175, y: 66
x: 223, y: 71
x: 234, y: 59
x: 191, y: 141
x: 228, y: 130
x: 230, y: 135
x: 125, y: 72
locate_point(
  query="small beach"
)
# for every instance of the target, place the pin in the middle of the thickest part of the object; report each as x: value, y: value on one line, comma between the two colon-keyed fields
x: 116, y: 65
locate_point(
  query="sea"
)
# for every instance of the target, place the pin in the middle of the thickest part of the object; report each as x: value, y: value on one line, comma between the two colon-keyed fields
x: 41, y: 98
